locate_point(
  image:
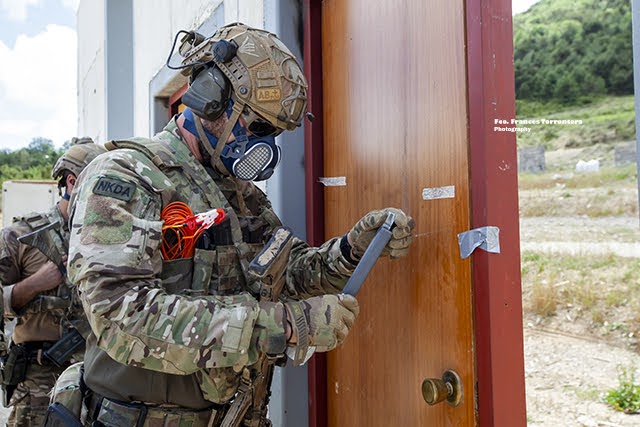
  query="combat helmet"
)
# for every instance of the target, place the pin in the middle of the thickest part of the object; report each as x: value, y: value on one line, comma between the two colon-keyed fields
x: 81, y: 152
x: 263, y: 73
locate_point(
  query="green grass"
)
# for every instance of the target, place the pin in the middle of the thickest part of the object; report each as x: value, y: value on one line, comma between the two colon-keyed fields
x: 604, y: 120
x: 605, y: 176
x: 611, y: 191
x: 595, y: 285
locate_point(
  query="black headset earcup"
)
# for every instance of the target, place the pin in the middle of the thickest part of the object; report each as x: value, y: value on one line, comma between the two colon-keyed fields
x: 208, y: 93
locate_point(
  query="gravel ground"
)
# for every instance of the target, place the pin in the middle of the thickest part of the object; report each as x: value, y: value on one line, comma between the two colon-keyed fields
x: 566, y: 377
x: 568, y: 374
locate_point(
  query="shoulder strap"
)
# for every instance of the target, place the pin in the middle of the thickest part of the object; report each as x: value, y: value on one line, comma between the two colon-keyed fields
x: 153, y: 149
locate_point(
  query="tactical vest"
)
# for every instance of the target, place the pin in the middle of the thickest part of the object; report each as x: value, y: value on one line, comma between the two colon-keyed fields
x: 215, y: 270
x: 61, y: 302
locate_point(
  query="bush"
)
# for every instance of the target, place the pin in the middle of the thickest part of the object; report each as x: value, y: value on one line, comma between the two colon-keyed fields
x: 625, y: 398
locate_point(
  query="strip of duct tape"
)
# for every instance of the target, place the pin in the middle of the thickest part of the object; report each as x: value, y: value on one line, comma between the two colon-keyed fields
x: 335, y: 181
x: 448, y: 192
x: 487, y: 238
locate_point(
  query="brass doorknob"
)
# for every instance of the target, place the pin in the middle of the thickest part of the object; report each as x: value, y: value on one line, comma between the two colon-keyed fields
x: 448, y: 388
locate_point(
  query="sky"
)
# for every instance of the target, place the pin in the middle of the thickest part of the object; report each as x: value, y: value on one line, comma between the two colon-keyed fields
x: 519, y: 6
x: 38, y: 51
x: 38, y: 56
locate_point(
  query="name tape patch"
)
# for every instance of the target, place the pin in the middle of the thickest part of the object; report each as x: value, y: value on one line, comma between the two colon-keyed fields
x: 114, y: 187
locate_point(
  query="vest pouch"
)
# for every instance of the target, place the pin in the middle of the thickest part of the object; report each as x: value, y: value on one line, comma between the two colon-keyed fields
x: 203, y: 262
x: 177, y: 275
x: 68, y: 391
x: 228, y: 274
x: 14, y: 368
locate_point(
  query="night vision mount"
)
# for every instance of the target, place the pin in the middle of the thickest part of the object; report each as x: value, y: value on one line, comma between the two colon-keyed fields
x: 196, y: 50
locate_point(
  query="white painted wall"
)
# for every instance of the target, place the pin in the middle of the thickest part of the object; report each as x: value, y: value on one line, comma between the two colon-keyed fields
x: 155, y: 24
x: 21, y: 197
x: 91, y: 70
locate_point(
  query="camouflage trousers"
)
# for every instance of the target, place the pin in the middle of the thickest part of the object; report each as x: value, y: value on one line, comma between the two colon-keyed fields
x: 30, y: 399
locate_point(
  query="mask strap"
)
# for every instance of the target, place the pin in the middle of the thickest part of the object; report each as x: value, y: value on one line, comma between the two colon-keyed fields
x: 228, y: 129
x: 203, y: 136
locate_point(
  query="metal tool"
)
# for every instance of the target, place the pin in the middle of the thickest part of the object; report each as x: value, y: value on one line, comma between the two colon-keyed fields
x: 370, y: 256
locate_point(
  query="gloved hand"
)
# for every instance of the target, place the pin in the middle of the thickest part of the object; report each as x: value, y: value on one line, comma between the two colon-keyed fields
x: 322, y: 321
x: 363, y: 232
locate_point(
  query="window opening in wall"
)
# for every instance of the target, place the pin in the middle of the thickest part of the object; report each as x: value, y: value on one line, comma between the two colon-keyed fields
x: 175, y: 101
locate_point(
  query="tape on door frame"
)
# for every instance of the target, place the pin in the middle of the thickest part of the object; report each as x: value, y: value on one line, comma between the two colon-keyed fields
x: 486, y: 238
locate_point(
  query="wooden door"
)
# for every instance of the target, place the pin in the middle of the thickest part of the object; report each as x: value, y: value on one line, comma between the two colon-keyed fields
x: 395, y: 123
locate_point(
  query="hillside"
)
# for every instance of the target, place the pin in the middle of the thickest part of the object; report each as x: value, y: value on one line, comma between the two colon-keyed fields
x: 572, y: 49
x: 604, y: 121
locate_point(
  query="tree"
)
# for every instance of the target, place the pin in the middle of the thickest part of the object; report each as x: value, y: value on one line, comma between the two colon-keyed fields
x: 588, y: 41
x: 33, y: 162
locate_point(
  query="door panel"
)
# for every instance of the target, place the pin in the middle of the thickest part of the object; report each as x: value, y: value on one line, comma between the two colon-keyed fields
x: 395, y: 123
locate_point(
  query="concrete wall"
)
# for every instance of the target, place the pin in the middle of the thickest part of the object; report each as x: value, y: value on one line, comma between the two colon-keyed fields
x: 91, y: 69
x: 531, y: 159
x: 155, y: 26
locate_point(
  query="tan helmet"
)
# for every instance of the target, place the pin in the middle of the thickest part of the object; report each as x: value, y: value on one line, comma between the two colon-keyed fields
x: 81, y: 152
x: 263, y: 72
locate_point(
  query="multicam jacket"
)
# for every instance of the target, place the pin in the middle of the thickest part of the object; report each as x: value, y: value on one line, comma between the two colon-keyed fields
x: 46, y: 317
x: 175, y: 332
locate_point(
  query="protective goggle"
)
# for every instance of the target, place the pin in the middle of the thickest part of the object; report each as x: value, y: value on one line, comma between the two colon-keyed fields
x: 257, y: 125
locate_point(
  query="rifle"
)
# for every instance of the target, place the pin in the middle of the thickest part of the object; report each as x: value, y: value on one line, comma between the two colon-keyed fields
x: 48, y: 240
x: 266, y: 271
x: 44, y: 239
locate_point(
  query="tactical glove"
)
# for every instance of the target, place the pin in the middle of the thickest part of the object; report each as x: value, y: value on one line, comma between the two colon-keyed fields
x: 363, y: 232
x: 322, y: 322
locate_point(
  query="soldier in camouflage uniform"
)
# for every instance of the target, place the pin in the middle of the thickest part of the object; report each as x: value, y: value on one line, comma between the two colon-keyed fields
x: 36, y: 295
x: 173, y: 339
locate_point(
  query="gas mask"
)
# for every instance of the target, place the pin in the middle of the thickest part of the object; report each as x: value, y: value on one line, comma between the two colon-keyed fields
x: 249, y: 158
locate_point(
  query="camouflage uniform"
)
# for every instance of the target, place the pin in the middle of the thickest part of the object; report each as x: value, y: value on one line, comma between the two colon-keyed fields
x: 41, y: 322
x: 176, y: 333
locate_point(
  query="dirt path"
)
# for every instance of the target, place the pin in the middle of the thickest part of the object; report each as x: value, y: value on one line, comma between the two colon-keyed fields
x: 566, y: 377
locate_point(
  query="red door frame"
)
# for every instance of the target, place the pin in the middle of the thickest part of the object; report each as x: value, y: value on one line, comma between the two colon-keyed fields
x: 494, y: 201
x: 314, y: 163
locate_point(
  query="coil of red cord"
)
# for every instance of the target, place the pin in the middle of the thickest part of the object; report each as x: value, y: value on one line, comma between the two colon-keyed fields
x: 181, y: 229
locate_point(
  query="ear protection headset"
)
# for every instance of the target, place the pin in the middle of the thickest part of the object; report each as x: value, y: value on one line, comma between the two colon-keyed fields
x: 209, y: 90
x: 208, y: 93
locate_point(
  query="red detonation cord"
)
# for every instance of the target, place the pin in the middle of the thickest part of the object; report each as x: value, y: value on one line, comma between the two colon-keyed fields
x: 182, y: 229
